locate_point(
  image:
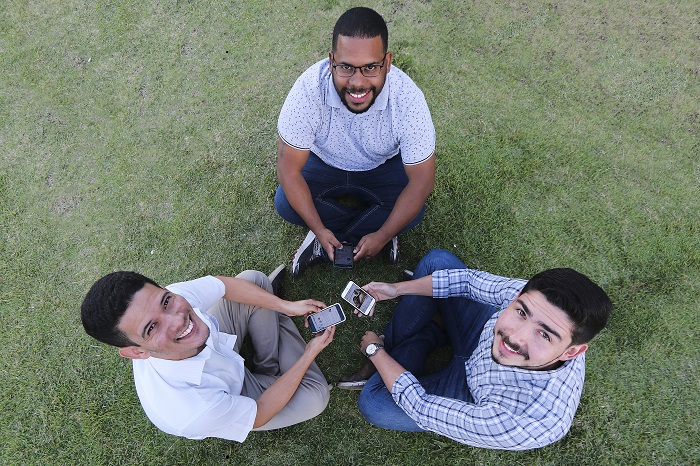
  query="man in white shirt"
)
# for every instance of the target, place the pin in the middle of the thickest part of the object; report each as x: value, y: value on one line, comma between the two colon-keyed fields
x: 185, y: 340
x: 355, y: 151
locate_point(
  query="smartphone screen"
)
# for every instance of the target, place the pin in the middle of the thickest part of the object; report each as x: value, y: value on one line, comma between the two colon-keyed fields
x: 359, y: 298
x: 321, y: 320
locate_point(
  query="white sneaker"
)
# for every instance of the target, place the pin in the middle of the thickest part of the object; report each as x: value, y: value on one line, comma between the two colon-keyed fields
x: 394, y: 250
x: 308, y: 252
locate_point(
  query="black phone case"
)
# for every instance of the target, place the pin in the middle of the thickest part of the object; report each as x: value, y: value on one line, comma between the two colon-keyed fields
x: 343, y: 258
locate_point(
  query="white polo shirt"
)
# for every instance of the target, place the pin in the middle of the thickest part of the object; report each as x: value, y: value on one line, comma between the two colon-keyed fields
x: 314, y: 118
x: 198, y: 397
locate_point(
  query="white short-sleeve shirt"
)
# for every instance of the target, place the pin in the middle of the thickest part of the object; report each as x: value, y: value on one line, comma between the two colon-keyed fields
x: 198, y: 397
x: 314, y: 118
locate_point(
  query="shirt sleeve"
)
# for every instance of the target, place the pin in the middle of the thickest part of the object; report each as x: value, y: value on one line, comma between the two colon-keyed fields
x: 300, y: 117
x: 201, y: 293
x: 417, y: 132
x: 484, y: 426
x: 229, y: 417
x: 476, y: 285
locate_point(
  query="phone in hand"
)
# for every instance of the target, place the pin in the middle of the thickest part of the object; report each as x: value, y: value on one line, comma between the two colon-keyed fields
x: 343, y: 258
x: 321, y: 320
x: 358, y: 298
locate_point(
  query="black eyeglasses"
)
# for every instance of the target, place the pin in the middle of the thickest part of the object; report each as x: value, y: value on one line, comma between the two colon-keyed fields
x: 368, y: 71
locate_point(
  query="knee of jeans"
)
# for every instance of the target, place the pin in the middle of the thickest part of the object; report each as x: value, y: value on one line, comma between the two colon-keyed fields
x: 435, y: 259
x: 416, y: 220
x: 370, y: 402
x: 284, y: 208
x: 365, y: 406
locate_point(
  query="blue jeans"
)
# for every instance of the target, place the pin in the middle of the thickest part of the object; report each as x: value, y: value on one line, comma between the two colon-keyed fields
x: 411, y: 336
x: 374, y: 193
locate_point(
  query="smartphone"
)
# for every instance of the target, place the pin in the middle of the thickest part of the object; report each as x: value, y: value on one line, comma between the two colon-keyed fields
x: 323, y: 319
x: 343, y: 258
x: 358, y: 298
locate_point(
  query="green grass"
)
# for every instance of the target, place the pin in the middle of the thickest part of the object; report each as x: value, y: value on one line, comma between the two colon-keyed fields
x: 141, y: 135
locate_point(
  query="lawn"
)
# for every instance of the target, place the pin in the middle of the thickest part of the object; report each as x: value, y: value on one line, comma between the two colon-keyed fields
x: 142, y: 136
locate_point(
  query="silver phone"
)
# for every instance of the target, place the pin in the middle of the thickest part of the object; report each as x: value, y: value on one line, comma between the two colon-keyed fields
x: 321, y: 320
x: 358, y: 298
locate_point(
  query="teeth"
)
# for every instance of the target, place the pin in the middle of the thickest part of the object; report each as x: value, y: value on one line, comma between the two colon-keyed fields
x: 187, y: 331
x: 509, y: 347
x: 359, y: 96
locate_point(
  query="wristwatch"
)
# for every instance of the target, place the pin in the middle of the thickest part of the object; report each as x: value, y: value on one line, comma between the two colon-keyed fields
x: 372, y: 349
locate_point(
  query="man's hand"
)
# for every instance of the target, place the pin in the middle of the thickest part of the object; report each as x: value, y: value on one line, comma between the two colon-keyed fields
x: 320, y: 341
x: 277, y: 395
x: 370, y: 245
x: 368, y: 338
x: 328, y: 241
x: 302, y: 308
x: 382, y: 291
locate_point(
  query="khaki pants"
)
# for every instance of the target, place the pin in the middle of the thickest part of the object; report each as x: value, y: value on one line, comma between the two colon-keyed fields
x: 277, y: 345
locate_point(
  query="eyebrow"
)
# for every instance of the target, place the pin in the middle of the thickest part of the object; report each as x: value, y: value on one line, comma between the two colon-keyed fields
x: 376, y: 63
x: 368, y: 64
x: 546, y: 327
x: 148, y: 324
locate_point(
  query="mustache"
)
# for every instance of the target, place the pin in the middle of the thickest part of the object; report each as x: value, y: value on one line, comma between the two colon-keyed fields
x: 359, y: 90
x: 514, y: 346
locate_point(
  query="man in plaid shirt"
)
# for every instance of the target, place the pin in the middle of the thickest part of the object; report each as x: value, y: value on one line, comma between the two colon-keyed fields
x: 518, y: 364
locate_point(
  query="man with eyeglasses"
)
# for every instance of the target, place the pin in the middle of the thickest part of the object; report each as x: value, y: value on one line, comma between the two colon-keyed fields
x: 355, y: 151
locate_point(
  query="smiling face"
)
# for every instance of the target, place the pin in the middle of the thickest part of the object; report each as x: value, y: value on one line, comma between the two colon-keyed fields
x: 358, y: 92
x: 534, y: 334
x: 163, y: 325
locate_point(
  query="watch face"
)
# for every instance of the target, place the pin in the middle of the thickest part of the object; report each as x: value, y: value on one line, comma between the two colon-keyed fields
x: 371, y: 348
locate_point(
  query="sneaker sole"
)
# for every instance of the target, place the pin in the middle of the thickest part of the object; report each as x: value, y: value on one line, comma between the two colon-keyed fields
x: 302, y: 252
x: 276, y: 278
x: 356, y: 386
x: 394, y: 251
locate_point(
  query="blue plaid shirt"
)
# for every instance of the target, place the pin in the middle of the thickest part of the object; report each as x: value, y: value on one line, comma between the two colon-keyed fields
x: 513, y: 408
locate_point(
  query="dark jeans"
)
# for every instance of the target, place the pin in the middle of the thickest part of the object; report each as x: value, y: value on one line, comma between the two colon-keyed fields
x: 411, y: 336
x: 373, y: 195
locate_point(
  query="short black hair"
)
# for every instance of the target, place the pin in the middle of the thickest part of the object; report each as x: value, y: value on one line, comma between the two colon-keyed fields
x: 585, y: 303
x: 105, y: 305
x: 363, y: 23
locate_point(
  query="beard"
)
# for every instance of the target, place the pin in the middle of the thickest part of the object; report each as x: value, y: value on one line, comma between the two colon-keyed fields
x: 343, y: 92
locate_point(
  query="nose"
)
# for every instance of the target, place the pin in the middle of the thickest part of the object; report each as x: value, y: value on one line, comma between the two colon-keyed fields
x: 175, y: 321
x: 357, y: 79
x: 517, y: 336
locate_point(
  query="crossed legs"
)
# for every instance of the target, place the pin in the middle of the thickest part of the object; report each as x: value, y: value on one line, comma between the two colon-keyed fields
x: 277, y: 345
x: 413, y: 333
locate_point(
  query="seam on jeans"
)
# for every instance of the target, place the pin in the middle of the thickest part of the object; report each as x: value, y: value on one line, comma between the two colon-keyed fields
x: 332, y: 205
x: 371, y: 194
x: 357, y: 223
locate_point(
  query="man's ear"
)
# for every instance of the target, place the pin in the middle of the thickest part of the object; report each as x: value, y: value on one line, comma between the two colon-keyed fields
x: 573, y: 351
x: 134, y: 352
